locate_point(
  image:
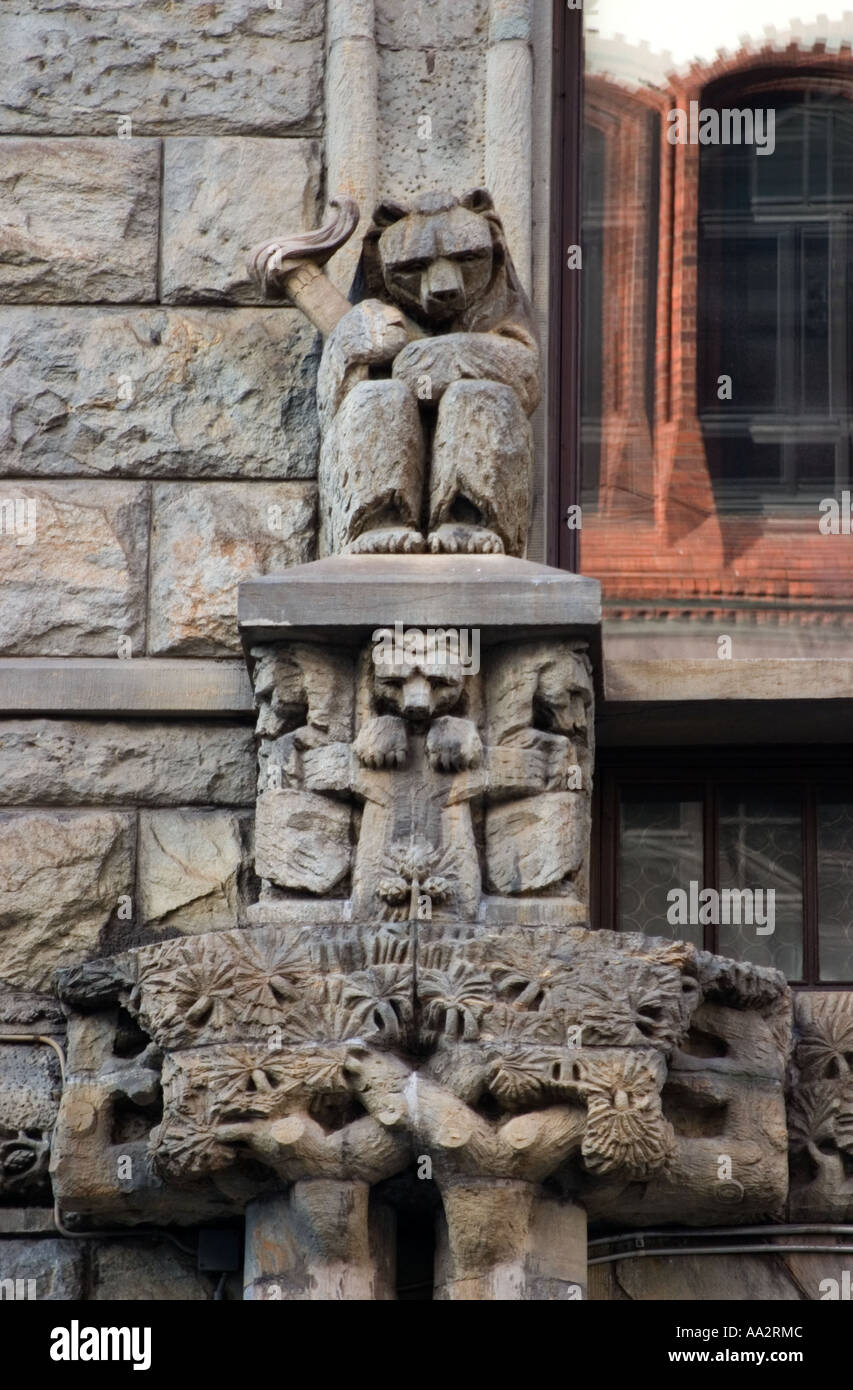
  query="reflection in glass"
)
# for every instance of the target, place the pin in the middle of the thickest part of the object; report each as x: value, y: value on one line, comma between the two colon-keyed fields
x: 717, y: 314
x: 660, y: 848
x: 761, y: 848
x: 835, y: 887
x: 776, y: 299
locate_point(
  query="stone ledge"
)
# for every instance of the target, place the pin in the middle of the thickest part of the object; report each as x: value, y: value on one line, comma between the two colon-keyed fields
x: 504, y: 598
x: 675, y: 693
x: 30, y: 1221
x: 680, y: 639
x: 141, y: 686
x: 658, y: 693
x: 775, y: 678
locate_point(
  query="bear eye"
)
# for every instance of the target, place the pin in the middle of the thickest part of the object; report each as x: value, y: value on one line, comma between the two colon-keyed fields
x: 465, y: 256
x: 411, y: 267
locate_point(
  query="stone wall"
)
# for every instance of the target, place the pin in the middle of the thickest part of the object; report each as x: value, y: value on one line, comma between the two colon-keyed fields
x: 158, y: 444
x: 158, y: 430
x: 158, y: 439
x: 129, y: 1269
x: 727, y: 1278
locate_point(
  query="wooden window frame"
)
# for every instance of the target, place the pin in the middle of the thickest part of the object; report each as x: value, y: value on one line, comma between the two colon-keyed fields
x: 701, y: 768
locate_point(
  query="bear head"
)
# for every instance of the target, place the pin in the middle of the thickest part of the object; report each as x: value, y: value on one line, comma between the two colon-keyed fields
x: 444, y: 260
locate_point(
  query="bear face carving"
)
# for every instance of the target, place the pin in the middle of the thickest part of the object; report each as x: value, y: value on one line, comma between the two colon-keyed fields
x: 418, y: 688
x: 444, y: 260
x: 437, y: 265
x: 429, y: 375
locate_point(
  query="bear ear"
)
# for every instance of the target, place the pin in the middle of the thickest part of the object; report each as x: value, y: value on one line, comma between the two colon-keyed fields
x: 478, y: 200
x: 369, y: 280
x: 387, y: 213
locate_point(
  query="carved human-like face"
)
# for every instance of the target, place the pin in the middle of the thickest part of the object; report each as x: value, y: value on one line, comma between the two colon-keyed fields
x: 625, y: 1123
x: 437, y: 264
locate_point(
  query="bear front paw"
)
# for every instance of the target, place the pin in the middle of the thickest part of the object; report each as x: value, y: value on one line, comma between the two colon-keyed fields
x: 453, y: 745
x: 382, y: 742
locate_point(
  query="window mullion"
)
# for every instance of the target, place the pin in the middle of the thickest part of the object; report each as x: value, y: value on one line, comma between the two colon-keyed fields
x: 711, y: 857
x: 811, y: 905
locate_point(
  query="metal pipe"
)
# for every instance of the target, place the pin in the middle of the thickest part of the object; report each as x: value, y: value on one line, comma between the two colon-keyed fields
x: 724, y: 1250
x: 676, y: 1233
x: 38, y: 1038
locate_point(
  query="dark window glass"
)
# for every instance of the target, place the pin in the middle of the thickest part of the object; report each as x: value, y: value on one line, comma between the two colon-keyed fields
x: 660, y: 845
x: 775, y: 305
x: 835, y: 886
x: 761, y: 838
x: 752, y: 863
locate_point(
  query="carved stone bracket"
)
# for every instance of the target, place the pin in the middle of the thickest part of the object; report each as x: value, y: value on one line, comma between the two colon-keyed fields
x: 820, y: 1114
x: 419, y: 784
x: 343, y: 1053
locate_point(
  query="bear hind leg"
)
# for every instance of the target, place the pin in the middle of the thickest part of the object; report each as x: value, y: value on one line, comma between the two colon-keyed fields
x: 372, y: 473
x: 482, y: 468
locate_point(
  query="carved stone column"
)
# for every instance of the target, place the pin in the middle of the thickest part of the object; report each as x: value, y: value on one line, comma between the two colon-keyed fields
x: 322, y: 1242
x: 505, y: 1240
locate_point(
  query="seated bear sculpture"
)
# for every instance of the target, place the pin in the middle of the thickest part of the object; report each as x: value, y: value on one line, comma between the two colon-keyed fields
x: 427, y: 379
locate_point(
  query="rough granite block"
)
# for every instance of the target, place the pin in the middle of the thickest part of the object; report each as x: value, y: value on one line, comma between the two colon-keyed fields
x: 157, y: 393
x: 206, y: 538
x: 73, y: 573
x: 237, y: 66
x: 79, y: 220
x: 221, y: 197
x: 78, y: 762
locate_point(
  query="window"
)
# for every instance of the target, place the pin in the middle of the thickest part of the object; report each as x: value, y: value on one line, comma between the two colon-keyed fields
x: 749, y: 861
x: 776, y: 302
x: 704, y: 262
